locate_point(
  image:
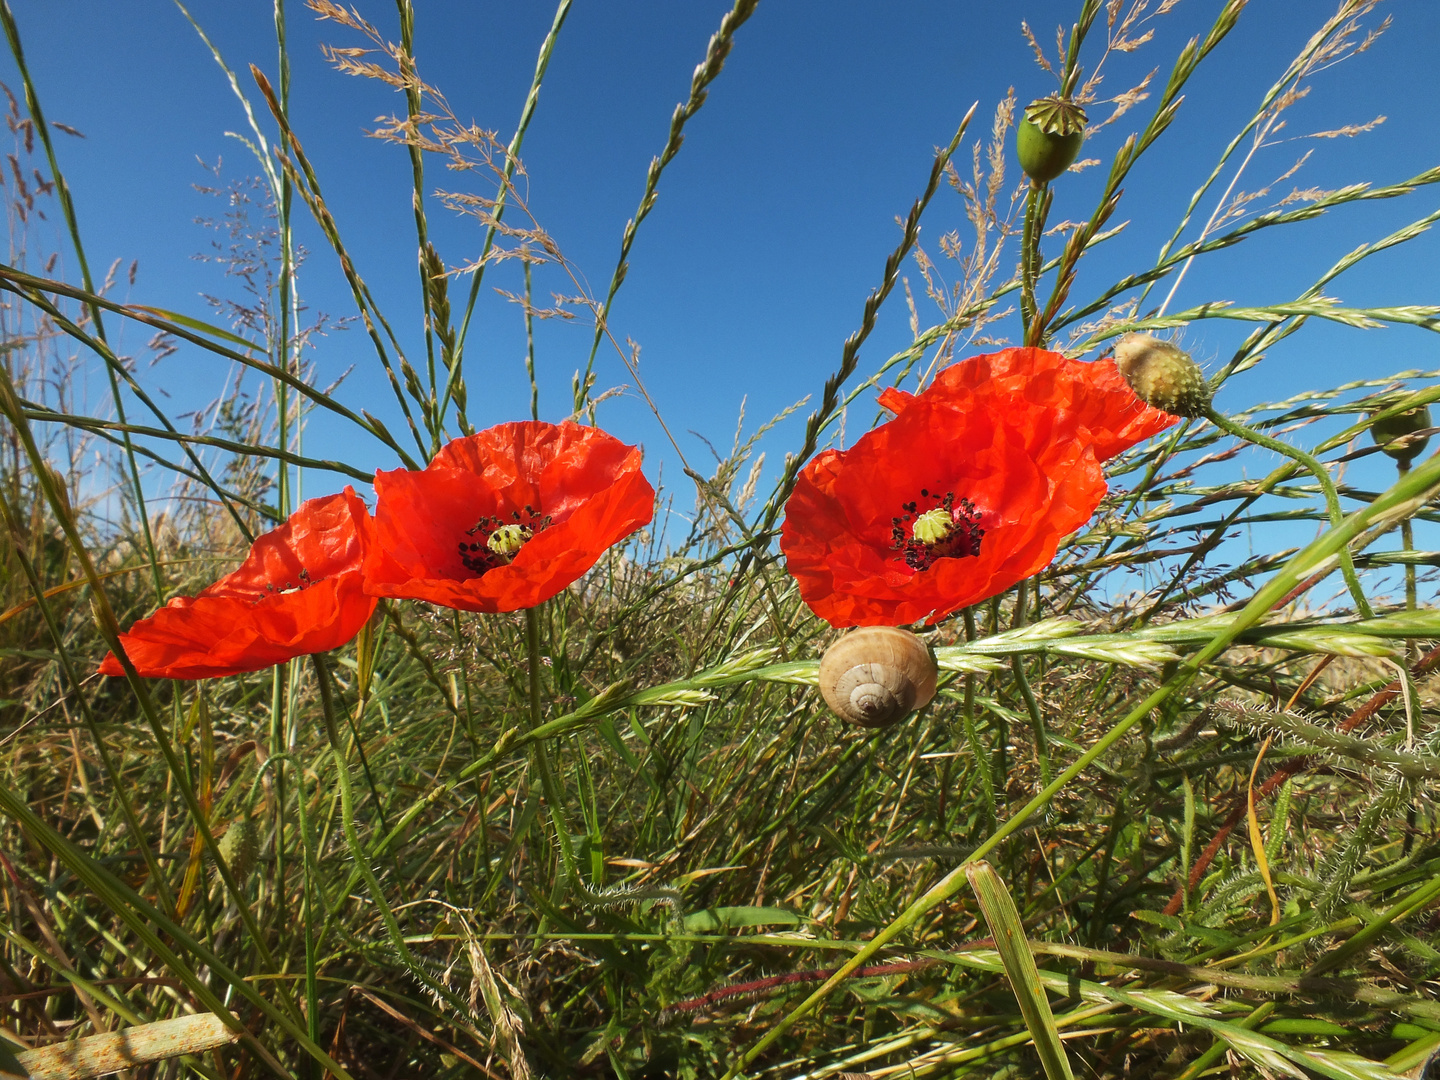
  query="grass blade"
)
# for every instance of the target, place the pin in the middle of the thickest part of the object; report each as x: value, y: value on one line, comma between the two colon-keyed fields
x: 1009, y: 933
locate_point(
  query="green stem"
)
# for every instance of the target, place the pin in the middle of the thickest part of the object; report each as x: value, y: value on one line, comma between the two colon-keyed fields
x: 309, y: 887
x: 1322, y: 477
x: 1037, y: 722
x: 987, y: 775
x: 284, y: 347
x: 362, y: 857
x: 1407, y: 538
x: 1407, y: 543
x: 530, y: 347
x: 417, y: 201
x: 541, y: 756
x: 1029, y: 252
x: 554, y: 797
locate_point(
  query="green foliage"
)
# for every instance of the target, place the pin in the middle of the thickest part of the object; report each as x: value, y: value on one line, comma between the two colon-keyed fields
x: 620, y: 835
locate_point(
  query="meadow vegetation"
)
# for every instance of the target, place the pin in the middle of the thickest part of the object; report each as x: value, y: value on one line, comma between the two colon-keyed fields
x: 619, y: 834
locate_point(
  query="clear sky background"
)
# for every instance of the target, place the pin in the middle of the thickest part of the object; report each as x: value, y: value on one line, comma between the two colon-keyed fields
x: 775, y: 219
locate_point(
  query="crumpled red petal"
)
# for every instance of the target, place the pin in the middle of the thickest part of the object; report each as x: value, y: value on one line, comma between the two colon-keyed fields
x: 299, y: 591
x: 587, y: 482
x: 1089, y: 399
x: 1022, y: 434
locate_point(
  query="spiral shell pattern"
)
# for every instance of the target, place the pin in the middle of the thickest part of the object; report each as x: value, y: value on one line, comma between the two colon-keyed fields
x: 877, y: 675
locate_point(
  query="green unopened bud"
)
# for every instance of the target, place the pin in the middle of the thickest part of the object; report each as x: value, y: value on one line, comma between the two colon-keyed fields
x: 240, y: 847
x: 933, y: 526
x: 1162, y: 375
x: 1396, y: 434
x: 508, y: 539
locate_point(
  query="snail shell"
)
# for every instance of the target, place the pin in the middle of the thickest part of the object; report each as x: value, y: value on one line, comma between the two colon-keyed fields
x: 876, y: 675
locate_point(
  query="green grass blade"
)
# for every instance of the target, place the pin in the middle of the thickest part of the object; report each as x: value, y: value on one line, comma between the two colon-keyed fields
x: 1009, y: 933
x: 197, y: 325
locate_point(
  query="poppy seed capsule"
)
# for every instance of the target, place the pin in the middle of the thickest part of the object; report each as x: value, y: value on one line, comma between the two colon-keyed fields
x: 508, y: 539
x: 1049, y: 136
x: 1162, y: 375
x: 877, y: 675
x: 240, y: 847
x: 1394, y: 434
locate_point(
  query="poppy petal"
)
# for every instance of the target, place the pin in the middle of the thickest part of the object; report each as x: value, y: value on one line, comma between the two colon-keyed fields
x: 299, y: 591
x: 575, y: 489
x: 1015, y: 438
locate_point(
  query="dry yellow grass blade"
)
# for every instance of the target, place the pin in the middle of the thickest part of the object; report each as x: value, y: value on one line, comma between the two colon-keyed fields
x: 1257, y: 838
x: 99, y: 1055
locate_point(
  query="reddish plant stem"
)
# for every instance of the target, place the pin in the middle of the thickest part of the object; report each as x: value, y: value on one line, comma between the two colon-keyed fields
x: 758, y: 986
x: 1378, y: 700
x: 1304, y: 587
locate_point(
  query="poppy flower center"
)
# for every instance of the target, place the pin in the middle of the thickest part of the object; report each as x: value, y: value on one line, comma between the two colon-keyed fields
x: 946, y: 528
x: 289, y: 586
x: 496, y: 542
x: 508, y: 539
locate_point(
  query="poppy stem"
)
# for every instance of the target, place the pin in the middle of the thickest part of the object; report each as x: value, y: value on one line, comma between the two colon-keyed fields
x: 1327, y: 486
x: 1022, y: 683
x: 532, y: 649
x: 987, y: 776
x: 1037, y: 722
x: 357, y: 850
x: 1407, y: 543
x: 554, y: 799
x: 1029, y: 249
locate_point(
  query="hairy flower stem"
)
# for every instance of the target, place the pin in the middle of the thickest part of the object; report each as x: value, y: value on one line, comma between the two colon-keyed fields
x: 1407, y: 544
x: 1327, y: 485
x: 362, y: 857
x: 987, y: 775
x: 554, y: 797
x: 1022, y: 683
x: 1029, y: 261
x: 542, y: 756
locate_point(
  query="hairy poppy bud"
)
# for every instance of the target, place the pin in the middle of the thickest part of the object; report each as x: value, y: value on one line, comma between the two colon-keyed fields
x: 240, y: 847
x: 1394, y: 434
x: 1162, y: 375
x: 1049, y: 137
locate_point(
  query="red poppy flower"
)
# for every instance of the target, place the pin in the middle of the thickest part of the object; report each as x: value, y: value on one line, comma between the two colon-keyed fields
x: 299, y: 591
x: 506, y: 518
x: 966, y: 492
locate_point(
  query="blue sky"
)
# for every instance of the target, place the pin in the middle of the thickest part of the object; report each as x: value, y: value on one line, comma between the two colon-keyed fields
x: 773, y: 222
